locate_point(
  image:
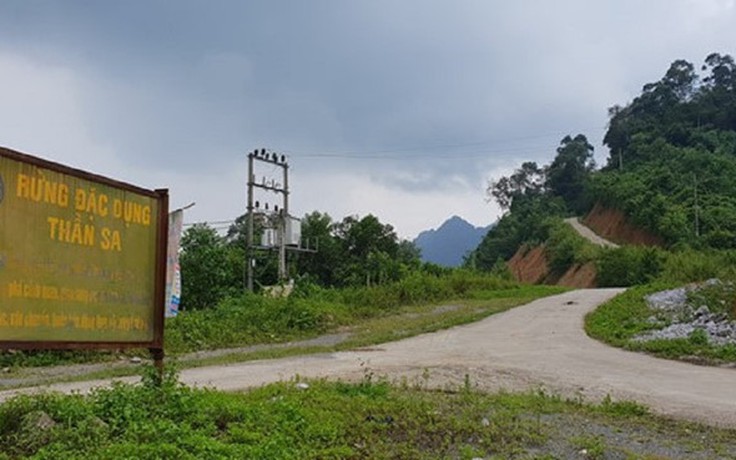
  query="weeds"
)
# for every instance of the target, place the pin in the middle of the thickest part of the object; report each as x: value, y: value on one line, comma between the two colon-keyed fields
x: 319, y: 419
x: 250, y: 319
x: 621, y: 319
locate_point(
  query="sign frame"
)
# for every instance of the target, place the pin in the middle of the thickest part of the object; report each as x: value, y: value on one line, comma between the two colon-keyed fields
x: 161, y: 196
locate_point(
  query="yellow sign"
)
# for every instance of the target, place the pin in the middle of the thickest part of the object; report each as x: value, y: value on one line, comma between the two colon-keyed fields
x: 78, y: 257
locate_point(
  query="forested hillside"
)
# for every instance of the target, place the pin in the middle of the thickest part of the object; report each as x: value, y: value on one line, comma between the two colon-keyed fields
x: 671, y: 168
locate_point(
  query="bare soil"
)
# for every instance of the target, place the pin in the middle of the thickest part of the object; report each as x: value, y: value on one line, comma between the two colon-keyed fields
x: 529, y: 265
x: 613, y: 225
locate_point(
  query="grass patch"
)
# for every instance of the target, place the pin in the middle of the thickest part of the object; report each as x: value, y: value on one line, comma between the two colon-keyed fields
x: 323, y: 420
x: 240, y: 323
x: 619, y: 320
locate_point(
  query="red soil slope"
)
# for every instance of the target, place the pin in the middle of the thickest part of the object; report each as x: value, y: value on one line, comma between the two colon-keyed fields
x: 579, y: 276
x: 612, y: 225
x: 529, y: 265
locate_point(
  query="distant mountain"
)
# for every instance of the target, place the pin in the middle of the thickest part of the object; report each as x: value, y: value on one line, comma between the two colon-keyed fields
x: 450, y: 242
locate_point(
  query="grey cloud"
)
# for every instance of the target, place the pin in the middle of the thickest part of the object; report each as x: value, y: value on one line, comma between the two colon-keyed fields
x: 189, y: 84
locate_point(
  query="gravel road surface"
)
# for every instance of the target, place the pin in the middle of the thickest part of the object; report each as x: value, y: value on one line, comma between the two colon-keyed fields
x: 541, y: 344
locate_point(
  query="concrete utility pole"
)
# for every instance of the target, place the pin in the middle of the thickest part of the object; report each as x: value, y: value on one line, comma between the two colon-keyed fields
x: 249, y: 235
x: 284, y: 218
x: 280, y: 161
x: 697, y: 206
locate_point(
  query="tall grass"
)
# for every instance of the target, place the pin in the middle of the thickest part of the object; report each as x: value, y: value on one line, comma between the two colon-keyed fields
x: 249, y: 319
x: 162, y: 419
x: 689, y: 265
x: 618, y: 321
x: 312, y: 310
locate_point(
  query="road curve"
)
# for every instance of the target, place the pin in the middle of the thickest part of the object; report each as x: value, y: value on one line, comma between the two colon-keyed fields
x: 541, y: 344
x: 589, y: 234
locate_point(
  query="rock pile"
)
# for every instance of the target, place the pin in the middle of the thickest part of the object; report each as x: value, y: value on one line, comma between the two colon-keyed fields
x: 679, y: 318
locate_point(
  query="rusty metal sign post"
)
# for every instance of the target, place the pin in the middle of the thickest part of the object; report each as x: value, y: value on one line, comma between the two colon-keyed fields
x: 82, y: 259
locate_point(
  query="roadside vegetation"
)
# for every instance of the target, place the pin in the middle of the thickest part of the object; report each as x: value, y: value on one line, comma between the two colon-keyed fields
x: 620, y: 321
x: 422, y: 302
x: 312, y: 310
x: 321, y: 420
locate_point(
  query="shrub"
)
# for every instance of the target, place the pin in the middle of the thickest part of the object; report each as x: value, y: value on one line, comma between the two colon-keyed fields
x: 688, y: 265
x: 565, y: 247
x: 629, y: 266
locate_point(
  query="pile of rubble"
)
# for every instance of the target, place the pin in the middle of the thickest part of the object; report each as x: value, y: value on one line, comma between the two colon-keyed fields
x: 679, y: 318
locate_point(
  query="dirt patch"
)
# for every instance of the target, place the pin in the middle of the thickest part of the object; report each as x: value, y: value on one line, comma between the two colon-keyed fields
x: 579, y: 276
x: 613, y: 225
x: 529, y: 265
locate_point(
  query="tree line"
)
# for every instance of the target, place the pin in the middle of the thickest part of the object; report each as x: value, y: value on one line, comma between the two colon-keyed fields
x: 670, y: 169
x: 352, y: 252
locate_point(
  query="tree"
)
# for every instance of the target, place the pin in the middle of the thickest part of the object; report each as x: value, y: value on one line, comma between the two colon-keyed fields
x: 524, y: 223
x: 681, y: 80
x: 527, y: 180
x: 367, y: 246
x: 317, y: 232
x: 206, y: 268
x: 354, y: 251
x: 570, y: 170
x: 360, y: 237
x: 722, y: 70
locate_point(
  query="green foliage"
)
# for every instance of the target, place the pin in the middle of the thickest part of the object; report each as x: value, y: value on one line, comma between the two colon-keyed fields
x: 317, y: 232
x: 618, y: 321
x: 671, y: 168
x: 354, y: 252
x: 672, y: 157
x: 207, y: 268
x: 419, y: 288
x: 38, y: 358
x: 719, y: 297
x: 529, y: 180
x: 322, y: 420
x: 311, y: 310
x: 246, y: 319
x: 524, y: 223
x: 623, y: 317
x: 568, y: 174
x: 629, y: 266
x: 565, y: 247
x: 532, y: 195
x: 688, y: 265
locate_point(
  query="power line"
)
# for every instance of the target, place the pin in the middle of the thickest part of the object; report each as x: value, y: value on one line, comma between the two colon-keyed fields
x: 392, y: 153
x: 211, y: 224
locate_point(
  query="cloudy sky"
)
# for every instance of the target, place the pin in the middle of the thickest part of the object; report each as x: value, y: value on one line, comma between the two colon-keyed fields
x: 400, y: 108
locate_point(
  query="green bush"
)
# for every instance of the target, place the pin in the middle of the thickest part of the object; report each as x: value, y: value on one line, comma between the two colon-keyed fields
x: 565, y: 247
x: 419, y: 288
x: 246, y: 319
x: 689, y: 265
x: 719, y: 297
x: 619, y: 320
x: 629, y: 266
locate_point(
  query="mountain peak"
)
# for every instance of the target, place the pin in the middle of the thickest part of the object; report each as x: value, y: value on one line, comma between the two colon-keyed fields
x: 450, y: 241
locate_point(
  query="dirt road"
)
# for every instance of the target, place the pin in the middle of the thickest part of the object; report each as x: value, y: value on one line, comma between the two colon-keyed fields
x: 541, y: 344
x: 589, y: 234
